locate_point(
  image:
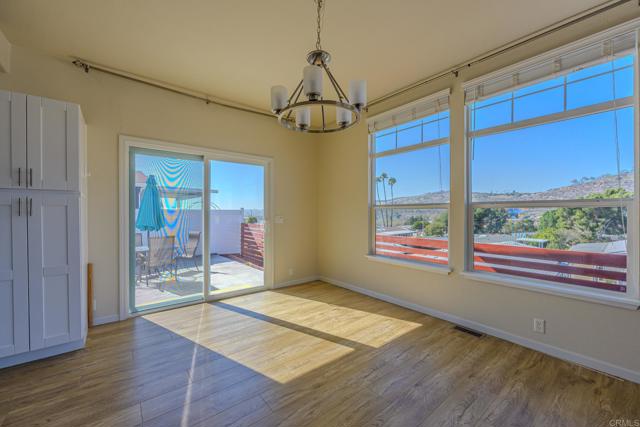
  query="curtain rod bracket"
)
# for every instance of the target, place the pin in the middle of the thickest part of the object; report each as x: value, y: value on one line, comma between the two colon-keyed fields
x: 86, y: 67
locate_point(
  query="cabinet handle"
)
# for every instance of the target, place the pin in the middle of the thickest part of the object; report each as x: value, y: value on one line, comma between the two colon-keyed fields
x: 31, y: 177
x: 19, y: 206
x: 19, y: 177
x: 30, y: 206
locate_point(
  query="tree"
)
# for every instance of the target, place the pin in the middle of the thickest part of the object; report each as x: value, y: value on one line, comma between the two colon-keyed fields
x: 416, y: 222
x: 378, y: 181
x: 252, y: 220
x: 489, y: 220
x: 392, y: 182
x: 524, y: 225
x: 383, y: 178
x: 439, y: 226
x: 564, y: 227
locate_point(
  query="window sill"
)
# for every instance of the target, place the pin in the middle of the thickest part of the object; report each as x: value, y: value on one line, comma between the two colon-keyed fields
x: 549, y: 288
x: 432, y: 268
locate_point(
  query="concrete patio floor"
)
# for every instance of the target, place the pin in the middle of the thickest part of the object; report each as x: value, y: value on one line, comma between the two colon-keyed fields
x: 226, y: 275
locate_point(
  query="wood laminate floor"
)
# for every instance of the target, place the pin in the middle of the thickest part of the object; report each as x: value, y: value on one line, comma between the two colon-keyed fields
x: 310, y: 355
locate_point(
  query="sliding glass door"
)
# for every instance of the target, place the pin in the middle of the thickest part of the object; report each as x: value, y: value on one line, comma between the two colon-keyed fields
x: 237, y: 226
x: 166, y: 225
x: 196, y: 225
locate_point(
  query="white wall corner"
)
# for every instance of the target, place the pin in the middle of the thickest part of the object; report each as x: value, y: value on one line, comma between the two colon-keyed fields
x: 296, y: 282
x: 105, y: 319
x: 5, y: 54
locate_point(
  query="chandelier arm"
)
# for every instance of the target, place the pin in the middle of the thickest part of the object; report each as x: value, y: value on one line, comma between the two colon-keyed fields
x: 323, y: 122
x: 298, y: 90
x: 336, y: 85
x: 294, y: 92
x: 289, y: 124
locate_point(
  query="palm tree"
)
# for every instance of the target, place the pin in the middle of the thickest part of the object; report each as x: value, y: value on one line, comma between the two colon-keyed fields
x: 383, y: 177
x: 392, y: 182
x: 378, y: 181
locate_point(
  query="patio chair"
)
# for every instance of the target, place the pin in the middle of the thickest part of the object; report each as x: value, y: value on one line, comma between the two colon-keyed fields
x: 189, y: 251
x: 161, y: 255
x: 141, y: 257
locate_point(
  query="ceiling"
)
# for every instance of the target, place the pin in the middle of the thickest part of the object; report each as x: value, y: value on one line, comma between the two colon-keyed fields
x: 236, y: 50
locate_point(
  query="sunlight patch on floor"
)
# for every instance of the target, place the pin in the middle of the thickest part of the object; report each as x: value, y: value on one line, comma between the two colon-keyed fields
x: 283, y: 345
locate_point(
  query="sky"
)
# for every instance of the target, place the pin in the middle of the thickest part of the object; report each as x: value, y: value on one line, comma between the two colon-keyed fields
x: 531, y: 159
x: 238, y: 185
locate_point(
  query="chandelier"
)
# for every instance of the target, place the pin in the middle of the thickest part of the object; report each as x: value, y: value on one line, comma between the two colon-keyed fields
x: 296, y: 114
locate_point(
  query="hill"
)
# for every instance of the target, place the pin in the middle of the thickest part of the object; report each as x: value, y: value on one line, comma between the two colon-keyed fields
x: 578, y: 190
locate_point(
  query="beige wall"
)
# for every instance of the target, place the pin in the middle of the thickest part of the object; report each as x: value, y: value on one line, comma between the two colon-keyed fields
x: 598, y: 331
x: 114, y: 106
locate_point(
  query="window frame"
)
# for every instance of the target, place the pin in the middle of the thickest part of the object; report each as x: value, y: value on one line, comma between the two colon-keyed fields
x: 372, y: 205
x: 631, y: 297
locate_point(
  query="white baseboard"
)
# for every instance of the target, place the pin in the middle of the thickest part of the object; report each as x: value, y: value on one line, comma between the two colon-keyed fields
x: 296, y: 282
x: 580, y: 359
x: 105, y: 319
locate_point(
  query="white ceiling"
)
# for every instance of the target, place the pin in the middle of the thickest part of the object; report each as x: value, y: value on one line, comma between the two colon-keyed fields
x: 237, y: 50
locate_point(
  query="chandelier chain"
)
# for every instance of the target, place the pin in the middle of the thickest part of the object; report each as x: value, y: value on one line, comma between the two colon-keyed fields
x: 320, y: 4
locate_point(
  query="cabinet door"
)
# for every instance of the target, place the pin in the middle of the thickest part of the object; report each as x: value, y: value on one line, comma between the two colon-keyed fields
x: 52, y: 144
x: 54, y: 269
x: 14, y: 282
x: 13, y: 139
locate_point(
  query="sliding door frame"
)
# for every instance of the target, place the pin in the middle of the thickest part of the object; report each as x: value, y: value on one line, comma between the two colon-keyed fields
x: 126, y: 142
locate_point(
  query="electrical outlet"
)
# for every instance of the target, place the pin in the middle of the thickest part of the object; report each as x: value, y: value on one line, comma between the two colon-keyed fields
x: 539, y: 326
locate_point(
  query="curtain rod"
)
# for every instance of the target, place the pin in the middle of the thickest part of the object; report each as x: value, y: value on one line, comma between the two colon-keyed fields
x: 88, y: 66
x: 589, y: 13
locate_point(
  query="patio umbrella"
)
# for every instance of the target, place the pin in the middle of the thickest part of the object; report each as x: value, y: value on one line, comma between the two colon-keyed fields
x: 150, y: 215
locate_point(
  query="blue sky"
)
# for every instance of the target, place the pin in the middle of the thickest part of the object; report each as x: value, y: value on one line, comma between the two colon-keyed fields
x: 531, y: 159
x: 239, y: 185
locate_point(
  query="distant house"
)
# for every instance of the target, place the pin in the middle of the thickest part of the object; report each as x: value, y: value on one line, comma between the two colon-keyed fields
x: 401, y: 231
x: 616, y: 247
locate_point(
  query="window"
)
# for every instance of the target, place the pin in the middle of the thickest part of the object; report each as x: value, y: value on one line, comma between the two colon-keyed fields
x: 551, y: 185
x: 409, y: 163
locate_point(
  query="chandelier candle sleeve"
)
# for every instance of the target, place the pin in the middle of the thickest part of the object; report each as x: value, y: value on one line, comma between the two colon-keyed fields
x: 303, y: 117
x: 278, y: 98
x: 312, y: 81
x: 343, y: 116
x: 358, y: 93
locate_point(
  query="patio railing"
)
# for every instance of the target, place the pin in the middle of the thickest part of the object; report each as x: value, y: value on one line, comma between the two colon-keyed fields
x: 594, y: 270
x: 252, y: 243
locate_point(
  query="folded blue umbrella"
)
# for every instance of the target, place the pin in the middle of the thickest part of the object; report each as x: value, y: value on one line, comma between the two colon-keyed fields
x: 150, y: 214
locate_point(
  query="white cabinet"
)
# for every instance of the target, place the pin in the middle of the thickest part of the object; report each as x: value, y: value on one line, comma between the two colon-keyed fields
x: 39, y: 143
x: 14, y: 282
x: 13, y: 140
x: 54, y: 269
x: 52, y: 144
x: 42, y: 239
